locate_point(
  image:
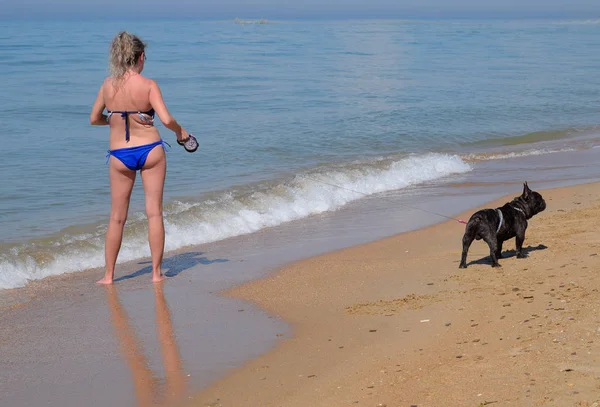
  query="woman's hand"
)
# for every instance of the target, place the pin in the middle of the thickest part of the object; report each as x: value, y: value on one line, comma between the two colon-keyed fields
x: 182, y: 136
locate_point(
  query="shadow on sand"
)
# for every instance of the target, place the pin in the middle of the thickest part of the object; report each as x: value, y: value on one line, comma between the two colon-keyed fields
x: 507, y: 254
x: 174, y: 265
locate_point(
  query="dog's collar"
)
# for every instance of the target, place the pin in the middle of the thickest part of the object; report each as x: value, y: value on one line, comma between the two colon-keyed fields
x: 501, y: 220
x: 520, y: 210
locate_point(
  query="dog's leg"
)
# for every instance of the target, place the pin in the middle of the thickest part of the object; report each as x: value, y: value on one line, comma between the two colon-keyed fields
x: 493, y: 244
x: 499, y: 248
x: 467, y: 240
x: 519, y: 239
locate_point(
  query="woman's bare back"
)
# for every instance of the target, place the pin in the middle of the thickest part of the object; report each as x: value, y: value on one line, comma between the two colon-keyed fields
x: 131, y: 94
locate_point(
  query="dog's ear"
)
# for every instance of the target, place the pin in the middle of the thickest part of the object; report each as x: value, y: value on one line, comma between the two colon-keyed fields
x: 526, y: 190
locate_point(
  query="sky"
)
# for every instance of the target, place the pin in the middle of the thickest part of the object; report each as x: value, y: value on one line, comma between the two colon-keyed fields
x: 273, y: 9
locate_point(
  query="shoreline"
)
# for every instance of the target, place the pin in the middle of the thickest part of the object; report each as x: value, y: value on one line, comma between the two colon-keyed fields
x: 79, y: 247
x: 365, y: 317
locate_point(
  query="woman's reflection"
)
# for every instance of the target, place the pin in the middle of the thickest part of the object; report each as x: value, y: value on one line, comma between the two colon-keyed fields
x: 147, y: 385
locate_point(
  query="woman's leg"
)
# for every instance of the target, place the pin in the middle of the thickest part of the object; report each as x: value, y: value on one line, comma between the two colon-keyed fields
x: 153, y: 177
x: 121, y: 184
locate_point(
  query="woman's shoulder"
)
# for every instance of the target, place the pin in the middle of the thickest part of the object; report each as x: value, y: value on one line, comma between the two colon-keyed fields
x: 147, y: 80
x: 151, y: 85
x: 107, y: 84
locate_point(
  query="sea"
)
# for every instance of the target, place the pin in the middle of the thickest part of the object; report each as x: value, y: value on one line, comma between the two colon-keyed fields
x: 295, y: 119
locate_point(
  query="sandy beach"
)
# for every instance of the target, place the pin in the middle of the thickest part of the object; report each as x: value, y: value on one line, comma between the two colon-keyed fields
x: 396, y: 323
x: 307, y: 314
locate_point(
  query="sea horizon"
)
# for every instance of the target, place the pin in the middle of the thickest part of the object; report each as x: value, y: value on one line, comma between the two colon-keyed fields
x: 333, y: 17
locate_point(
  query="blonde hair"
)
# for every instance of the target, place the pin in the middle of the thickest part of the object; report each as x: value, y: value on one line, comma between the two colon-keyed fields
x: 125, y: 51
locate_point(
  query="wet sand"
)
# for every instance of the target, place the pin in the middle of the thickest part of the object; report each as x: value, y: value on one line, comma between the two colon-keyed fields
x: 396, y: 323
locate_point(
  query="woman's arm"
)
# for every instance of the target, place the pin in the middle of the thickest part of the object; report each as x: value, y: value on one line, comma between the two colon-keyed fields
x: 97, y: 117
x: 158, y: 104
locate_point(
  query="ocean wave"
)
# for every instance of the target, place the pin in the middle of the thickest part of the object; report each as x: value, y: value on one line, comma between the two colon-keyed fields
x: 226, y: 214
x: 579, y: 22
x: 506, y: 155
x: 534, y: 137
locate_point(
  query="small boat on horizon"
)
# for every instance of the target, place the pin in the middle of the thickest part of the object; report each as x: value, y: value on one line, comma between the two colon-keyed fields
x: 241, y: 21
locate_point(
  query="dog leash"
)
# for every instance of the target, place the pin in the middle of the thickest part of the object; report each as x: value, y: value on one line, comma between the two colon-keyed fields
x: 404, y: 205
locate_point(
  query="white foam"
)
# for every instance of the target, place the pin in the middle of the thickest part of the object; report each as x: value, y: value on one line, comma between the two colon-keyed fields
x: 504, y: 156
x: 233, y: 215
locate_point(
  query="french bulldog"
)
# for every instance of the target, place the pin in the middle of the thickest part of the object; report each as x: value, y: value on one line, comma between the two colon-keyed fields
x: 495, y: 226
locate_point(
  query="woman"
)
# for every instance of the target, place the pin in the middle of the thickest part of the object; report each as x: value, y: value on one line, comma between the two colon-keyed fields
x: 131, y: 101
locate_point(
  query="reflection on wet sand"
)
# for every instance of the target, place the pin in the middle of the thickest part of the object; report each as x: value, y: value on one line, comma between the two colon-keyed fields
x: 148, y: 386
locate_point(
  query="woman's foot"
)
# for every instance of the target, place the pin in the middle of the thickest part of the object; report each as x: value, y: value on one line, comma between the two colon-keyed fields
x: 105, y: 281
x: 158, y: 277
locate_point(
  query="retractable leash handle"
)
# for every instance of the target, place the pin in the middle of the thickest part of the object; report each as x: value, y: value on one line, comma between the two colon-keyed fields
x: 190, y: 145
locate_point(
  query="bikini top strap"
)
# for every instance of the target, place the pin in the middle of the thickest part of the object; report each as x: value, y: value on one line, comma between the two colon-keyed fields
x: 125, y: 115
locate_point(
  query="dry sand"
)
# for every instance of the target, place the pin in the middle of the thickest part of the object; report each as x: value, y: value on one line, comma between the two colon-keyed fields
x: 396, y: 323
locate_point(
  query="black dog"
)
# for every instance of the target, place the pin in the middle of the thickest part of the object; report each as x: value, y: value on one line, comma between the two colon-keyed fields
x: 495, y: 226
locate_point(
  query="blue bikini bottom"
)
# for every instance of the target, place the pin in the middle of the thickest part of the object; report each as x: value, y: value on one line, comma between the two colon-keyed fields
x: 134, y: 158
